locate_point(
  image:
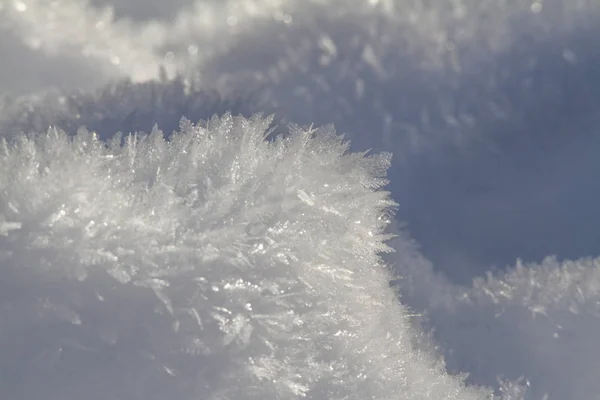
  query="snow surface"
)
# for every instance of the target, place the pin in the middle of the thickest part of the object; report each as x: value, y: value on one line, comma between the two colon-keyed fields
x: 220, y: 262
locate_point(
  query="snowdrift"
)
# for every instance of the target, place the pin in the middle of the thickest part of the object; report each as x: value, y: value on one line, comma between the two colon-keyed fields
x: 489, y: 107
x: 214, y: 265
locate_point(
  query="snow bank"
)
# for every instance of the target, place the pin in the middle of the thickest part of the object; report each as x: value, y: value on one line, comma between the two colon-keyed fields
x: 490, y: 108
x: 532, y: 323
x: 214, y: 265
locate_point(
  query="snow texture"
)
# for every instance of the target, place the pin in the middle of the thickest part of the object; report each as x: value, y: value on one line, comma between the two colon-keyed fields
x: 116, y: 250
x: 215, y: 265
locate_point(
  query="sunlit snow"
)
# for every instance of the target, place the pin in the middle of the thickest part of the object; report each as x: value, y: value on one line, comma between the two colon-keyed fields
x: 145, y: 256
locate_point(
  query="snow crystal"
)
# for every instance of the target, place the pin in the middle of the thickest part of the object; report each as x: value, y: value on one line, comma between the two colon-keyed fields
x: 211, y: 263
x: 203, y: 266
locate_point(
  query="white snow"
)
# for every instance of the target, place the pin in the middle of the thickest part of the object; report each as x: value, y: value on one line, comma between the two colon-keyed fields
x: 197, y: 268
x: 212, y: 263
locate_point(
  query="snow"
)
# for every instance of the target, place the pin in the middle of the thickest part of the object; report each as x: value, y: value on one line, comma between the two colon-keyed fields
x: 216, y: 264
x: 148, y: 266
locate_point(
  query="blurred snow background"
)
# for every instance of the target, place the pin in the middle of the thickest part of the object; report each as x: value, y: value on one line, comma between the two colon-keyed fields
x: 489, y: 108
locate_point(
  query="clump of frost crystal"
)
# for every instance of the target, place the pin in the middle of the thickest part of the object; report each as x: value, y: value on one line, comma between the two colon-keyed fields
x: 223, y: 263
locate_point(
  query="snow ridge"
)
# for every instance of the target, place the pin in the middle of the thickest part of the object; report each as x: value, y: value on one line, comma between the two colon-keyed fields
x: 216, y: 265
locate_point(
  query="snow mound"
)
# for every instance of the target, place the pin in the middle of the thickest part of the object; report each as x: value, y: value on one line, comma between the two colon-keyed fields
x: 490, y: 108
x: 533, y: 323
x: 223, y: 263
